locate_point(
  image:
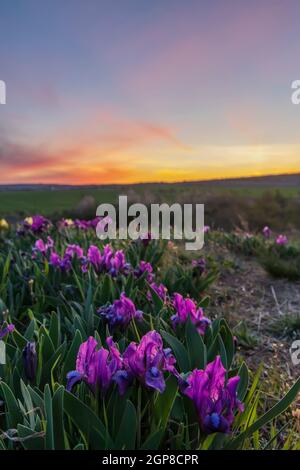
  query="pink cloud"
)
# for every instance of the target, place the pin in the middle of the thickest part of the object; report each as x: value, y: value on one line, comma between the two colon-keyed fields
x: 85, y: 153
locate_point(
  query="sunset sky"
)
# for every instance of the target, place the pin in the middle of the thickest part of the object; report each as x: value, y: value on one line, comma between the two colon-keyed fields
x: 123, y: 91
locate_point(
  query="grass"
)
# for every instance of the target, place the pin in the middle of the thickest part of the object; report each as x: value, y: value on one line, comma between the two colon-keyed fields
x: 47, y: 202
x: 286, y: 326
x: 245, y: 337
x: 282, y: 262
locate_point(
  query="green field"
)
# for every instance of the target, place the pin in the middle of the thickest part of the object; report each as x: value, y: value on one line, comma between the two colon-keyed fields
x: 47, y: 202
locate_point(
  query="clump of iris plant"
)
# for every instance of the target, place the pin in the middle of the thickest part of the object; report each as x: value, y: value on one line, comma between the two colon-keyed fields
x: 86, y: 224
x: 199, y: 265
x: 119, y: 314
x: 108, y: 261
x: 118, y: 264
x: 74, y: 251
x: 112, y: 263
x: 214, y: 397
x: 80, y: 224
x: 94, y: 257
x: 35, y: 224
x: 43, y: 247
x: 5, y: 329
x: 267, y: 232
x: 146, y: 362
x: 186, y: 308
x: 30, y: 360
x: 95, y: 367
x: 282, y: 240
x: 144, y: 267
x: 64, y: 263
x: 57, y: 262
x: 160, y: 290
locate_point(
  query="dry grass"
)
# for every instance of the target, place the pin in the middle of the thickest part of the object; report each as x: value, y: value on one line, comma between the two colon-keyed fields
x: 268, y: 308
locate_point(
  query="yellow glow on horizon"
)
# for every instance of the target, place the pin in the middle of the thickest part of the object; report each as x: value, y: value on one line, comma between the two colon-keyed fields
x: 92, y: 165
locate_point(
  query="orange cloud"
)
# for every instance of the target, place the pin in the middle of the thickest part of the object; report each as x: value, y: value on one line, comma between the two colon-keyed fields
x: 108, y: 148
x: 104, y: 149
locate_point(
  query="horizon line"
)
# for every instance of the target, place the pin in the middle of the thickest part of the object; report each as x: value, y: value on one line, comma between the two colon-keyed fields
x: 232, y: 178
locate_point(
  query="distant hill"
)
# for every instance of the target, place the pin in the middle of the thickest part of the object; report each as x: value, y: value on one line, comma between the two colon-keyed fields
x: 271, y: 181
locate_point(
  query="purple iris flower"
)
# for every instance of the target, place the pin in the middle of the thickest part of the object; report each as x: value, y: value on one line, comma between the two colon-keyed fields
x: 282, y: 240
x: 114, y: 263
x: 120, y: 313
x: 94, y: 222
x: 62, y: 263
x: 36, y: 223
x: 214, y: 397
x: 95, y: 367
x: 55, y: 259
x: 84, y: 264
x: 30, y: 360
x: 266, y: 231
x: 161, y: 291
x: 200, y: 264
x: 94, y: 257
x: 81, y: 224
x: 43, y: 247
x: 146, y: 362
x: 40, y: 246
x: 5, y: 330
x: 107, y: 255
x: 74, y: 250
x: 187, y: 308
x: 86, y: 224
x: 118, y: 263
x: 65, y: 264
x: 144, y: 267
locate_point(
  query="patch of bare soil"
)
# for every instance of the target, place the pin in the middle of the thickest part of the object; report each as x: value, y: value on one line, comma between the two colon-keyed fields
x: 266, y: 307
